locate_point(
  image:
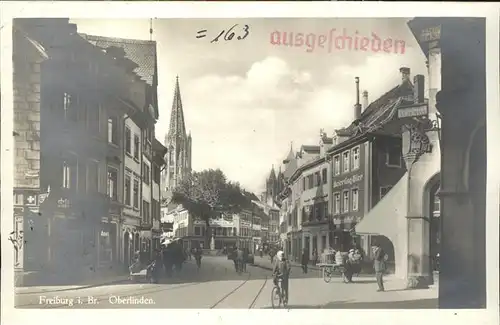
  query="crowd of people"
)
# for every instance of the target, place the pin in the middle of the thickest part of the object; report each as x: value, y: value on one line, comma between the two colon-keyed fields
x: 169, y: 259
x: 351, y: 262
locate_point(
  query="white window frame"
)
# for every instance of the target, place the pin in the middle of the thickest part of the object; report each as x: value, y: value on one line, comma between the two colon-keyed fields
x: 110, y: 130
x: 137, y: 146
x: 336, y: 164
x: 146, y: 176
x: 336, y: 203
x: 146, y: 217
x: 66, y: 183
x: 66, y: 104
x: 109, y: 188
x: 138, y: 179
x: 129, y: 138
x: 346, y: 165
x: 131, y: 184
x: 387, y: 155
x: 355, y: 202
x: 345, y: 204
x: 355, y: 162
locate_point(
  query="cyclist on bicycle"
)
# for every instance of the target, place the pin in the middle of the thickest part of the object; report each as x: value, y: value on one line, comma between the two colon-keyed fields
x: 281, y: 271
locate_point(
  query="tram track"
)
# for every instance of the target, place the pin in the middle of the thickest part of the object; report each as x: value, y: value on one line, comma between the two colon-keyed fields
x: 252, y: 290
x: 239, y: 287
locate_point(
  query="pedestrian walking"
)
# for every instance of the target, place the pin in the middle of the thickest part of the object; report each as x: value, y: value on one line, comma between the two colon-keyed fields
x: 315, y: 256
x: 379, y: 259
x: 304, y: 260
x: 245, y: 259
x: 271, y: 255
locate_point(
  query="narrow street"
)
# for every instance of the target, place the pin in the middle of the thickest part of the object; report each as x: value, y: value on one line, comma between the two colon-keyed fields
x: 217, y: 285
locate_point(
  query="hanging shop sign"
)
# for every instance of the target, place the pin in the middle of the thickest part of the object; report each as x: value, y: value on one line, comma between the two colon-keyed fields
x: 413, y: 111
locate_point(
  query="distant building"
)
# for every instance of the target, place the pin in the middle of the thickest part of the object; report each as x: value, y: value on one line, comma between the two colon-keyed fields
x: 270, y: 223
x: 193, y: 231
x: 243, y: 225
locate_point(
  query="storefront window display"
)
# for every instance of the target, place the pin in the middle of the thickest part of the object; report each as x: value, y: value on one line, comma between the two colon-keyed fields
x: 105, y: 244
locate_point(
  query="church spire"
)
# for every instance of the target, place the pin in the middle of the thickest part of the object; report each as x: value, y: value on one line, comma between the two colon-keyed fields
x: 290, y: 156
x: 177, y: 127
x: 272, y: 176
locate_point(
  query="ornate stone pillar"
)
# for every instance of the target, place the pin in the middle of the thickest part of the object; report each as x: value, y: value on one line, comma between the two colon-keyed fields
x: 416, y: 143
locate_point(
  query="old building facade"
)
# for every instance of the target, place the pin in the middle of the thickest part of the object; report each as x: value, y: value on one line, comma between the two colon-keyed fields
x: 135, y: 125
x: 72, y: 141
x: 75, y: 197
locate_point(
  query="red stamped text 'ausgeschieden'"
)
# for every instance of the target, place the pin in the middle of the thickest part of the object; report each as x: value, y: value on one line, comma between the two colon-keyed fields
x: 335, y: 41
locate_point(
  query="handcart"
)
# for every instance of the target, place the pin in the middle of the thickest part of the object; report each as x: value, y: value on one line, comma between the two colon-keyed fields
x: 140, y: 271
x: 329, y: 267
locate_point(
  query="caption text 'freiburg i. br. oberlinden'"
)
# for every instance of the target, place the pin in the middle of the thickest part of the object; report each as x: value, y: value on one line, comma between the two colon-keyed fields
x: 334, y: 41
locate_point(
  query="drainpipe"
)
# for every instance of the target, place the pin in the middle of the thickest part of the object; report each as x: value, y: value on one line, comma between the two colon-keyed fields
x: 408, y: 220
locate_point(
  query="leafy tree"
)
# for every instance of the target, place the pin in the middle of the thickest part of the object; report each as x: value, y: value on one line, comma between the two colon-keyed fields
x: 208, y: 194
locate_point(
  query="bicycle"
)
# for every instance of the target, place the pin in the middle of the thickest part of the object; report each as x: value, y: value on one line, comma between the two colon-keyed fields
x: 278, y: 295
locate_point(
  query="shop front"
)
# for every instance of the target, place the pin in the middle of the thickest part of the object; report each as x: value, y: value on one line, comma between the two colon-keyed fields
x: 71, y: 229
x: 296, y: 245
x: 146, y: 242
x: 107, y: 248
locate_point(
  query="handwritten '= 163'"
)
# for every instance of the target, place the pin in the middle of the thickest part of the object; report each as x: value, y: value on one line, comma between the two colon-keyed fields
x: 241, y: 33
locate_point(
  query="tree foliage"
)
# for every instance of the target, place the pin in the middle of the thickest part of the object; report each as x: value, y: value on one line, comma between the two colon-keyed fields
x: 208, y: 194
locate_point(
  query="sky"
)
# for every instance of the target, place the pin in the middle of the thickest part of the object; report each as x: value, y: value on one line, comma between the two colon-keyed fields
x: 246, y: 101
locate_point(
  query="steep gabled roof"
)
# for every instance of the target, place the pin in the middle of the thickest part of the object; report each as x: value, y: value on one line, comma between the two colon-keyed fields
x: 290, y: 156
x: 378, y: 111
x: 141, y: 52
x: 310, y: 149
x: 327, y: 140
x: 291, y: 167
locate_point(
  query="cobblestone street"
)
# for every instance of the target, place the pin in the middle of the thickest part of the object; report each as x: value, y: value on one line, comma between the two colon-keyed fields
x: 227, y: 289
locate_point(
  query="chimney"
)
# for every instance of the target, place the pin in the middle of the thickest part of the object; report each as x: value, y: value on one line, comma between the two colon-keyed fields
x: 365, y: 99
x: 357, y: 107
x: 405, y: 74
x: 418, y: 89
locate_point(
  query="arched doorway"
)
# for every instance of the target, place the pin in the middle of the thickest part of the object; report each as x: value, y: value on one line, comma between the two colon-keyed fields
x: 432, y: 229
x: 434, y: 213
x: 126, y: 248
x: 388, y: 247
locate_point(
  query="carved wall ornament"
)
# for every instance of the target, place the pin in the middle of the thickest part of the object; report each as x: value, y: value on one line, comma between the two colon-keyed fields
x: 418, y: 144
